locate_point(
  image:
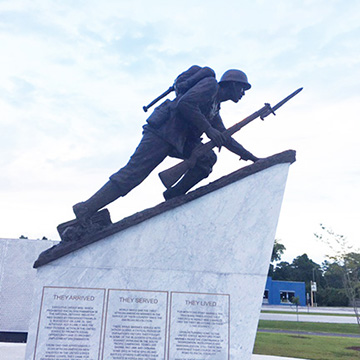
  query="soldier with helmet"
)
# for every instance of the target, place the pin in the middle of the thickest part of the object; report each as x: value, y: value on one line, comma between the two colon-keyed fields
x: 175, y: 129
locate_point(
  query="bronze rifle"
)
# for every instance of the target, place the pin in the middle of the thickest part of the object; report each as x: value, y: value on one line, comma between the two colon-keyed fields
x: 170, y: 176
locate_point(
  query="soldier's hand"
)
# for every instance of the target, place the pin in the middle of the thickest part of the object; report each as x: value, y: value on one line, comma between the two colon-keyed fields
x: 217, y: 136
x: 252, y: 158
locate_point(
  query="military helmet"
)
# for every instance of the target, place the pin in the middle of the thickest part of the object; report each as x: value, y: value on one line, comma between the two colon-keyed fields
x: 237, y: 76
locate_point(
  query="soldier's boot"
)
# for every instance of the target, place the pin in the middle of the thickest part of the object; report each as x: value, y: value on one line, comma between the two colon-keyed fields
x: 191, y: 178
x: 107, y: 194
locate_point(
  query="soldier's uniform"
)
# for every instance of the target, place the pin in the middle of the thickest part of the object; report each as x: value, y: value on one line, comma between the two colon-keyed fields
x: 175, y: 132
x: 174, y: 129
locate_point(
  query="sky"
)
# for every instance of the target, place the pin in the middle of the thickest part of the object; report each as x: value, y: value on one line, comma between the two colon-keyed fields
x: 74, y: 76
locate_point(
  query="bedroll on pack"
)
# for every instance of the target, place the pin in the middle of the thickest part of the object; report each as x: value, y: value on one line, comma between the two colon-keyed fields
x: 187, y: 79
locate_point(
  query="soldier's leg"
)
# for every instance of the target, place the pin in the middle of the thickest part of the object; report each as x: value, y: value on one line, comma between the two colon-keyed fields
x: 151, y: 151
x: 200, y: 171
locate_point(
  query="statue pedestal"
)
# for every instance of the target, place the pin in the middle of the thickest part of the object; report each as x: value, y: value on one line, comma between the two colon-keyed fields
x: 185, y: 283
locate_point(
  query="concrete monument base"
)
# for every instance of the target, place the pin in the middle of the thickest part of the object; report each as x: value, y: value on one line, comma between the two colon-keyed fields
x: 184, y: 283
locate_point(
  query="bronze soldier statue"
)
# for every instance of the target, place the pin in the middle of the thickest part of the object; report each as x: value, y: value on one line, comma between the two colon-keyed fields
x: 175, y: 129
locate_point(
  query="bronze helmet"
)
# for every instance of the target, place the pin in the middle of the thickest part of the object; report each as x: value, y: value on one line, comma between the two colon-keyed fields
x: 237, y: 76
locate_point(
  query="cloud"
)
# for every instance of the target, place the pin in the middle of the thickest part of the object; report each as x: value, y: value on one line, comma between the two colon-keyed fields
x: 75, y: 75
x: 18, y: 92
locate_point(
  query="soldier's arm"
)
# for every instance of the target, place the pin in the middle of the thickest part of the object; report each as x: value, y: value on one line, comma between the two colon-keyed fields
x: 231, y: 144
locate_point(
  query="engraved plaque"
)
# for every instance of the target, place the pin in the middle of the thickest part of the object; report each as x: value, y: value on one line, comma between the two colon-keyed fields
x: 135, y: 325
x: 70, y: 324
x: 199, y: 326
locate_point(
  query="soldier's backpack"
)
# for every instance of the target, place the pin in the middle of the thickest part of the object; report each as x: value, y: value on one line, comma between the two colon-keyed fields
x: 185, y: 81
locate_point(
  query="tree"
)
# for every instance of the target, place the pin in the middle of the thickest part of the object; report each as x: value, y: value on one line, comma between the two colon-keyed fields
x: 278, y: 250
x: 301, y: 269
x: 346, y: 261
x: 296, y: 301
x: 282, y: 271
x: 333, y: 274
x: 352, y: 277
x: 329, y: 296
x: 304, y: 269
x: 333, y: 292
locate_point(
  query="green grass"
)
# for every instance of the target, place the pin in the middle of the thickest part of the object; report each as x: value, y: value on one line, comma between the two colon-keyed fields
x: 304, y: 313
x: 307, y: 347
x: 311, y: 327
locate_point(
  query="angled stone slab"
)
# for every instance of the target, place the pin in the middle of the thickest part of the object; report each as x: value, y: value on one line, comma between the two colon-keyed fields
x: 66, y: 248
x: 183, y: 280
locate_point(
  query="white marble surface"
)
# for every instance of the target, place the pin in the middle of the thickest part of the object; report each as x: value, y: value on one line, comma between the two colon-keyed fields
x: 70, y: 321
x: 136, y: 324
x: 199, y: 326
x: 218, y: 244
x: 10, y: 351
x: 17, y: 278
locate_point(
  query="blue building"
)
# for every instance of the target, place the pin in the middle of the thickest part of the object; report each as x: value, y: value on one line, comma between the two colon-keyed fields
x: 281, y: 292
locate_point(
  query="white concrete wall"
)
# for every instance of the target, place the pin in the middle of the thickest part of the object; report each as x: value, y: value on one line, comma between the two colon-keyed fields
x: 220, y: 243
x: 17, y: 277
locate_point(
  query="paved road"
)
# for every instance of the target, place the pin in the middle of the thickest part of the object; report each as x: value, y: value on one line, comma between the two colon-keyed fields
x: 324, y: 310
x: 310, y: 314
x: 293, y: 332
x: 311, y: 318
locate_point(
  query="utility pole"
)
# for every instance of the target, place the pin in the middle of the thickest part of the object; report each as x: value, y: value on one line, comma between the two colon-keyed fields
x: 313, y: 291
x: 313, y: 288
